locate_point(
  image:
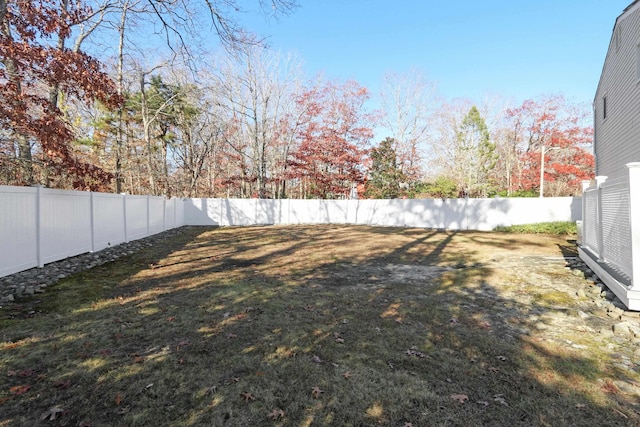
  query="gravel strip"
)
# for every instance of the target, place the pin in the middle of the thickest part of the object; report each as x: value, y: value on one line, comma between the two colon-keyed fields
x: 36, y: 280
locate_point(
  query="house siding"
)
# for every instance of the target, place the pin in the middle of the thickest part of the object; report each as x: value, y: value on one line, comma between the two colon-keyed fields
x: 617, y: 138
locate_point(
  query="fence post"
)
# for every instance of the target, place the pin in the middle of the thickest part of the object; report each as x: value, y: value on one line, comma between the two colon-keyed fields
x: 164, y: 214
x: 124, y: 218
x: 583, y: 224
x: 39, y: 226
x: 599, y: 181
x: 466, y: 211
x: 148, y: 215
x: 92, y: 221
x: 634, y: 218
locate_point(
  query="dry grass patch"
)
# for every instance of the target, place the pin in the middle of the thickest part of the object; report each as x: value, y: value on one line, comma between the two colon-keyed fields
x: 318, y: 325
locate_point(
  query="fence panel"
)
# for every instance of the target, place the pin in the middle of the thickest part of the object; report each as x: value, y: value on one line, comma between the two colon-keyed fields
x: 18, y: 231
x: 616, y: 225
x: 242, y: 212
x: 169, y: 213
x: 266, y: 211
x: 65, y: 224
x: 40, y: 225
x: 156, y: 214
x: 303, y: 212
x: 179, y: 213
x: 590, y: 220
x: 137, y: 217
x: 202, y: 212
x: 108, y: 220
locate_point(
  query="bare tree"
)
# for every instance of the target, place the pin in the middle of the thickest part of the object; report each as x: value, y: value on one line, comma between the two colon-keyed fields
x: 408, y: 103
x: 256, y: 91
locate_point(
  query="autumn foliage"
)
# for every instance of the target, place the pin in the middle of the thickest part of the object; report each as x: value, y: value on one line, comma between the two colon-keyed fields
x: 36, y: 67
x: 246, y: 124
x: 549, y: 130
x: 334, y: 139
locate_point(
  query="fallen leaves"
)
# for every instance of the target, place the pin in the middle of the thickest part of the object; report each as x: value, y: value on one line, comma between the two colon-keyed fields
x: 609, y: 387
x: 316, y: 392
x: 485, y: 325
x: 462, y: 398
x: 276, y: 414
x: 26, y: 373
x: 63, y: 385
x: 19, y: 389
x: 136, y: 358
x: 316, y: 359
x: 52, y: 414
x: 415, y: 353
x: 500, y: 399
x: 347, y: 375
x: 247, y: 397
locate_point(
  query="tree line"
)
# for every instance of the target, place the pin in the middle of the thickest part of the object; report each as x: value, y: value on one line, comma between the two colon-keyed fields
x: 245, y: 121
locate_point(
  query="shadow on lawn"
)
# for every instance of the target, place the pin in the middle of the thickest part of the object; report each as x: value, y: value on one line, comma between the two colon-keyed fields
x: 331, y: 325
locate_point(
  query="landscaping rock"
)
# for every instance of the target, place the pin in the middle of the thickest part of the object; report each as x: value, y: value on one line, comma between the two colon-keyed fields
x: 621, y: 328
x: 606, y: 332
x: 29, y: 282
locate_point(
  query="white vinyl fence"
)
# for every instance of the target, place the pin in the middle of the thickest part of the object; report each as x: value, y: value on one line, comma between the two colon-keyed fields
x: 610, y: 238
x: 40, y: 225
x: 451, y: 214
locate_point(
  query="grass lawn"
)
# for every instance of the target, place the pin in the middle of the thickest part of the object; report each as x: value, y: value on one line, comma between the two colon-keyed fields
x: 313, y: 326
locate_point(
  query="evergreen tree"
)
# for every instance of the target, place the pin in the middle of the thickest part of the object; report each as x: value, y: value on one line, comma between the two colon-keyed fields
x: 385, y: 174
x: 476, y: 155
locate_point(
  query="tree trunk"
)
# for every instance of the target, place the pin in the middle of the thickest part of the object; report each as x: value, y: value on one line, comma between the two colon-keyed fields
x: 25, y: 161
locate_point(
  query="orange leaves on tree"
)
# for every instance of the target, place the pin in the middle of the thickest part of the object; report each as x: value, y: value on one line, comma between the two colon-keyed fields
x: 550, y: 123
x: 333, y: 138
x: 31, y: 61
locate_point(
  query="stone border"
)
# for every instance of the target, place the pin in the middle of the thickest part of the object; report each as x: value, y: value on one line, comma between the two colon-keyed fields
x: 36, y: 280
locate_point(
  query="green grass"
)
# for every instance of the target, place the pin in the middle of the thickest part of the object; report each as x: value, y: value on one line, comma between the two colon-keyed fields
x: 300, y: 326
x: 556, y: 228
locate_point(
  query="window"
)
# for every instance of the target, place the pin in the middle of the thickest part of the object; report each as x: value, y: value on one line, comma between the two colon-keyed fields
x: 604, y: 107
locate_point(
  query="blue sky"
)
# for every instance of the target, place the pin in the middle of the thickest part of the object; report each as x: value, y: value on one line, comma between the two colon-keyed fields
x: 519, y: 49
